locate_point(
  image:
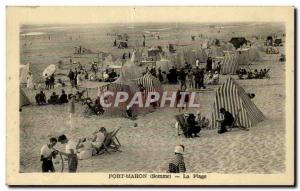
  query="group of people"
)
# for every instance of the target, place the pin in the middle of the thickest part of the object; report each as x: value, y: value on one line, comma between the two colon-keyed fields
x: 189, y: 77
x: 262, y: 73
x: 54, y: 99
x: 192, y: 124
x: 74, y: 150
x: 50, y: 82
x: 76, y: 76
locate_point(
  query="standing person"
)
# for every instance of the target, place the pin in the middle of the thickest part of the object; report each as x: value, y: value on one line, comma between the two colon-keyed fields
x: 160, y: 76
x: 197, y: 78
x: 190, y: 77
x: 209, y: 64
x: 201, y: 79
x: 178, y: 101
x: 177, y: 165
x: 71, y: 152
x: 47, y: 153
x: 47, y: 83
x: 227, y: 120
x: 153, y: 71
x: 71, y: 109
x: 78, y: 79
x: 52, y: 81
x: 75, y: 77
x: 197, y: 62
x: 71, y: 77
x: 29, y: 81
x: 144, y: 43
x: 182, y: 78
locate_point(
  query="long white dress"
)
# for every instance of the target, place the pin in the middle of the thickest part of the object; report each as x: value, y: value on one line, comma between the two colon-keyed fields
x: 29, y: 81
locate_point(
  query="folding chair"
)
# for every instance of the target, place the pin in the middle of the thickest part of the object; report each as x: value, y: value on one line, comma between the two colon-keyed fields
x: 112, y: 142
x: 182, y: 125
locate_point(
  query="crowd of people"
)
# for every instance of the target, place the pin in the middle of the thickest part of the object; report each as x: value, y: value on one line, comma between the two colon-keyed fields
x: 255, y: 74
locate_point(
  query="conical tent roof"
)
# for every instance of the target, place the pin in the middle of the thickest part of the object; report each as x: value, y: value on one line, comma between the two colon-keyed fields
x: 216, y: 51
x: 131, y: 71
x: 164, y: 65
x: 243, y: 57
x: 230, y: 64
x: 254, y: 54
x: 23, y: 99
x: 24, y: 69
x: 202, y: 55
x: 233, y: 98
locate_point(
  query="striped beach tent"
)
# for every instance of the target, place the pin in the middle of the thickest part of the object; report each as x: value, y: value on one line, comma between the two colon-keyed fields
x: 230, y: 64
x: 150, y: 83
x: 233, y: 98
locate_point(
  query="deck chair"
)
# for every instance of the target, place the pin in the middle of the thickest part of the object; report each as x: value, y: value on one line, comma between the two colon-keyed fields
x: 182, y: 127
x: 112, y: 142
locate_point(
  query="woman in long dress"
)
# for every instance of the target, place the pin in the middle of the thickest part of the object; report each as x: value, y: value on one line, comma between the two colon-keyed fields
x: 29, y: 81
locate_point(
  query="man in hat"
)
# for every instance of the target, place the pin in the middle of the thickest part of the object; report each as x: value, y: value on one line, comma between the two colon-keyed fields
x: 177, y: 165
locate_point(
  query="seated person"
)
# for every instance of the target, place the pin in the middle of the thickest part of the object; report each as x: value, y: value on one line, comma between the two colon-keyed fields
x: 129, y: 113
x: 194, y: 127
x: 250, y: 75
x: 98, y: 140
x: 112, y: 75
x: 226, y: 121
x: 255, y: 74
x: 85, y: 149
x: 53, y: 99
x: 40, y: 98
x: 63, y: 97
x: 98, y: 107
x: 216, y: 77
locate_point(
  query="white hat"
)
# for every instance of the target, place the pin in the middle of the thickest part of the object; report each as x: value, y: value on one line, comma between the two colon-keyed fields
x: 179, y: 149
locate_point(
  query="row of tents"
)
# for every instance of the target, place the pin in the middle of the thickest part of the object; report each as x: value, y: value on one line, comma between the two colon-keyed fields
x: 230, y: 96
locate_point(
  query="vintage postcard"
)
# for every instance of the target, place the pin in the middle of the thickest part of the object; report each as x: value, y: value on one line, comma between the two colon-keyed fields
x: 150, y: 96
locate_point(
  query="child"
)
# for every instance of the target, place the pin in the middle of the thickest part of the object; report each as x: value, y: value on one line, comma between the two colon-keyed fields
x: 47, y: 153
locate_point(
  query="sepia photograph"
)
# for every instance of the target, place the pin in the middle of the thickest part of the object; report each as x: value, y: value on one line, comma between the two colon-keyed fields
x: 143, y: 99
